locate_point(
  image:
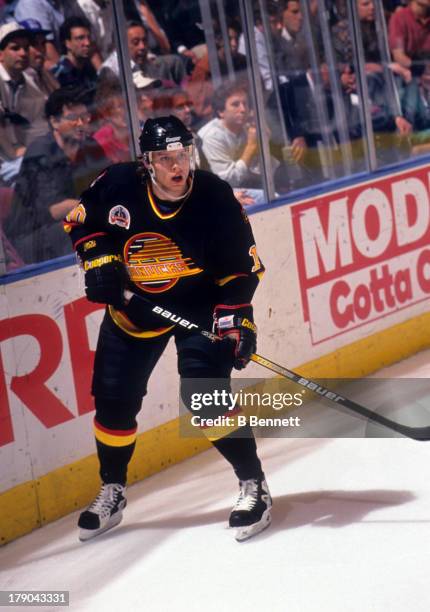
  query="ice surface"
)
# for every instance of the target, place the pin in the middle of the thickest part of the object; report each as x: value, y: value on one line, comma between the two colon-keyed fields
x: 350, y: 533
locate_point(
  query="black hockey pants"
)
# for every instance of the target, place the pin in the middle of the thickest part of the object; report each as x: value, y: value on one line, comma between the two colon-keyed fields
x: 122, y: 368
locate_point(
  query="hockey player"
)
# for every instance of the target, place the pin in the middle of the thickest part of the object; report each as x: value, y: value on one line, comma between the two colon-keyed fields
x: 159, y: 228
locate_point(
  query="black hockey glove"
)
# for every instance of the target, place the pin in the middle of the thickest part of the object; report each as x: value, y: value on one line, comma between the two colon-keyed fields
x: 237, y: 324
x: 105, y: 280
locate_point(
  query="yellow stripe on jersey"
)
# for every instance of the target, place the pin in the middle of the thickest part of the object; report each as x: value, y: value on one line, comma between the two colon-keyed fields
x: 223, y: 281
x: 155, y: 208
x: 124, y: 323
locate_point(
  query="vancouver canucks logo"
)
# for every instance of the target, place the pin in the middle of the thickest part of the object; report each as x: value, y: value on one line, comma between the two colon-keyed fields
x: 155, y: 263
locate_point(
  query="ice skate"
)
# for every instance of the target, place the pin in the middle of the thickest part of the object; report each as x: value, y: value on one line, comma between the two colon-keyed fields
x: 252, y: 511
x: 104, y: 513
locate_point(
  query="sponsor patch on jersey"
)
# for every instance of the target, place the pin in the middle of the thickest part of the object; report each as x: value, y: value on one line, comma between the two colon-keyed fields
x: 77, y: 215
x: 155, y: 263
x: 119, y: 215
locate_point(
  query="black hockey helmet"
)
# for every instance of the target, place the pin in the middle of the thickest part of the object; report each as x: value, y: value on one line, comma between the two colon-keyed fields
x: 164, y: 133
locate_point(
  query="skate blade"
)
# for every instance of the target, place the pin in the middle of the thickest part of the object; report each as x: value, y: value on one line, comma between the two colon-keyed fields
x: 245, y: 533
x: 88, y: 534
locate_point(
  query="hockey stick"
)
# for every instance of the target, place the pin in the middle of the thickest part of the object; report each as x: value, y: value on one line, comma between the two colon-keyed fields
x: 415, y: 433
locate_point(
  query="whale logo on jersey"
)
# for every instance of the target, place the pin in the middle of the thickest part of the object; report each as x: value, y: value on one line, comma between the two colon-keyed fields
x: 155, y: 263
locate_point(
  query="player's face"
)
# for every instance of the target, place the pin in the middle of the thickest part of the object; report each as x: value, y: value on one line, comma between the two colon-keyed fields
x: 172, y: 169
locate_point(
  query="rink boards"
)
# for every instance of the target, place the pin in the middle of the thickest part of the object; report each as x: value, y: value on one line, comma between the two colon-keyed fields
x: 346, y: 292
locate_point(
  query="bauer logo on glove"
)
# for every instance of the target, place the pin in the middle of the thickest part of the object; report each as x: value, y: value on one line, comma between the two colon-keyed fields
x: 236, y: 323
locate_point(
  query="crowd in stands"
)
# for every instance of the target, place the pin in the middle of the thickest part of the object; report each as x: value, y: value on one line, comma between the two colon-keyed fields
x: 63, y: 114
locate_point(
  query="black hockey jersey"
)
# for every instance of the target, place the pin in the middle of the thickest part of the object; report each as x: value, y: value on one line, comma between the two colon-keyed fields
x: 187, y: 257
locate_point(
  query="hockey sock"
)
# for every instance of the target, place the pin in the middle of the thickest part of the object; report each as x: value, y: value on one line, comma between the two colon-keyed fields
x: 114, y: 461
x: 241, y: 452
x: 114, y: 449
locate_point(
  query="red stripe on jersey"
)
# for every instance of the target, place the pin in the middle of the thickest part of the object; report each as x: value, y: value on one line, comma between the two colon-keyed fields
x: 89, y: 236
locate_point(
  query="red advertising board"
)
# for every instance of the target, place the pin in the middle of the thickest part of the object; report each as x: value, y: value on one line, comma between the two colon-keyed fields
x: 363, y: 252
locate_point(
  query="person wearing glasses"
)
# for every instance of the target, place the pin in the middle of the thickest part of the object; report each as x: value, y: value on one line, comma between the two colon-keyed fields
x: 56, y: 168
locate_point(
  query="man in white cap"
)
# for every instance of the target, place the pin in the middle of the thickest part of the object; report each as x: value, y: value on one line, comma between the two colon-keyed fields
x: 21, y: 103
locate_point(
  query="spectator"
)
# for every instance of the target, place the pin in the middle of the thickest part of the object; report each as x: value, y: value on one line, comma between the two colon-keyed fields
x: 416, y: 104
x: 99, y: 14
x: 341, y: 38
x: 299, y: 106
x: 112, y: 135
x: 55, y: 170
x: 182, y: 22
x: 230, y: 140
x: 168, y: 68
x: 262, y: 53
x: 140, y: 11
x: 75, y: 69
x: 41, y: 77
x: 295, y: 53
x: 180, y: 105
x: 391, y: 131
x: 409, y: 31
x: 280, y: 46
x: 145, y: 95
x: 343, y: 46
x: 50, y: 16
x: 21, y: 103
x: 199, y: 85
